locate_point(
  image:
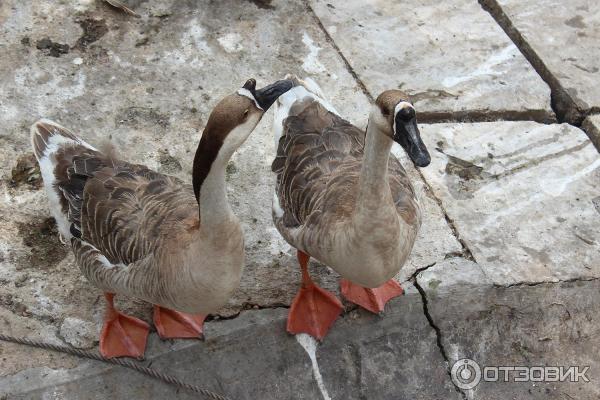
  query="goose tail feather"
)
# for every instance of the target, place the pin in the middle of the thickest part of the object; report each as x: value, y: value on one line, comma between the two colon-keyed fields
x: 55, y: 147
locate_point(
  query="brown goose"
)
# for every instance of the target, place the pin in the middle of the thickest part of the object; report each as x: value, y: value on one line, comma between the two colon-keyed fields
x: 139, y: 233
x: 341, y: 198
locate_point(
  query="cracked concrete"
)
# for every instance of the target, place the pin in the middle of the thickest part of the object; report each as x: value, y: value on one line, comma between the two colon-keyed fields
x: 545, y: 38
x: 505, y: 267
x: 467, y: 68
x: 549, y: 324
x: 498, y: 183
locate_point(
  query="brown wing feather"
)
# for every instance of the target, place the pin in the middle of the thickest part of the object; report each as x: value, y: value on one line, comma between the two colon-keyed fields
x: 128, y: 210
x: 318, y: 163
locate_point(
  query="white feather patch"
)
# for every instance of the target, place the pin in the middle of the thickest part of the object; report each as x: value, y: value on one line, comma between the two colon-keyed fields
x: 400, y: 106
x: 47, y: 166
x: 287, y: 100
x: 277, y: 206
x: 248, y: 94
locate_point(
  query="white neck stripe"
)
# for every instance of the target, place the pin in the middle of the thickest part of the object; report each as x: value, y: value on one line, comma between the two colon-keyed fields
x: 248, y: 94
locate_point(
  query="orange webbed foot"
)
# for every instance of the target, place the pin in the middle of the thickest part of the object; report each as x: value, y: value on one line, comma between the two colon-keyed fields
x: 373, y: 300
x: 122, y: 335
x: 313, y: 311
x: 171, y: 324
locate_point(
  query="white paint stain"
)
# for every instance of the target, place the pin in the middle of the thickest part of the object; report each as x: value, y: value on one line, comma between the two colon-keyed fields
x: 557, y: 186
x: 310, y: 346
x: 311, y: 62
x: 192, y: 50
x: 37, y: 83
x: 487, y: 68
x: 231, y: 42
x: 197, y: 35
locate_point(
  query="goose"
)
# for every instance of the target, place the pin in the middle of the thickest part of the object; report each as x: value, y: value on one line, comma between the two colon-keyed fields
x: 136, y: 232
x: 341, y: 198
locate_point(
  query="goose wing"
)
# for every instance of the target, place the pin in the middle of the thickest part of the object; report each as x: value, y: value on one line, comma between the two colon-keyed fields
x: 318, y: 163
x: 317, y: 149
x: 125, y: 211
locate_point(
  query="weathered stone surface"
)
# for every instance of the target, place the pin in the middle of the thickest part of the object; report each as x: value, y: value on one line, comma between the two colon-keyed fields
x: 541, y: 325
x: 565, y: 36
x: 435, y: 240
x: 591, y: 125
x: 78, y: 333
x: 146, y: 86
x: 251, y: 357
x: 521, y: 195
x: 450, y: 56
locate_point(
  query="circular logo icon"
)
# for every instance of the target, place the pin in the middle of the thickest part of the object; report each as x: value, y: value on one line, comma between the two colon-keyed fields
x: 466, y: 374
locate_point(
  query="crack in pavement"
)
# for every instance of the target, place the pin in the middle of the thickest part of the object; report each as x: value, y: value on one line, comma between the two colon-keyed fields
x: 471, y: 116
x: 438, y: 335
x: 531, y: 284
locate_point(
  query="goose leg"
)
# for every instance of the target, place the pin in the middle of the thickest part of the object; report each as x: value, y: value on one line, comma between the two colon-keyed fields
x: 314, y: 309
x: 373, y: 300
x: 171, y: 324
x: 122, y: 335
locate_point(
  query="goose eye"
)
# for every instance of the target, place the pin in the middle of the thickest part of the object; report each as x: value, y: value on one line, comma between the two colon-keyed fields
x: 246, y: 113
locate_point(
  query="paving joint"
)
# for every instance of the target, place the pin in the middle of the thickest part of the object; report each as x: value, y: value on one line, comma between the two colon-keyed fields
x: 563, y: 104
x: 472, y: 116
x: 592, y: 131
x: 558, y: 282
x: 245, y: 307
x: 333, y: 44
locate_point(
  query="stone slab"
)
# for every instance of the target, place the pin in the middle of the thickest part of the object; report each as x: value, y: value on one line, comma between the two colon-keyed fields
x: 540, y: 325
x: 252, y: 357
x: 145, y: 87
x: 523, y: 196
x: 565, y: 36
x: 450, y: 56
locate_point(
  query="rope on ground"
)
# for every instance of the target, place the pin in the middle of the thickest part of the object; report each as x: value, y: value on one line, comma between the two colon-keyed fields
x: 118, y: 361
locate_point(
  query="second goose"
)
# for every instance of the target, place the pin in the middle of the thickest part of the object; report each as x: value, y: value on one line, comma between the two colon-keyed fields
x: 341, y: 198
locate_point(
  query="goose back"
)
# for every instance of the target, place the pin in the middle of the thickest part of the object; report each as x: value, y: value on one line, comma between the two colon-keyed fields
x: 318, y: 165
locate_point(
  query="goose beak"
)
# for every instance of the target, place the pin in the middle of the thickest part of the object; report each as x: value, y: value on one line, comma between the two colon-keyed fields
x: 408, y: 136
x: 266, y: 96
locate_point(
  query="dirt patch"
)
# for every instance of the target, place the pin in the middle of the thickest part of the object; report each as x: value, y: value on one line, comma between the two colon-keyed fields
x: 463, y: 169
x: 50, y: 48
x: 134, y: 116
x: 230, y: 170
x: 93, y: 29
x: 168, y: 163
x: 46, y: 248
x: 27, y: 172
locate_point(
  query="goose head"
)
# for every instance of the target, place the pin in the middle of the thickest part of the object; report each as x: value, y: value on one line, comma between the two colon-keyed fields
x: 230, y: 123
x: 399, y: 121
x: 235, y: 116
